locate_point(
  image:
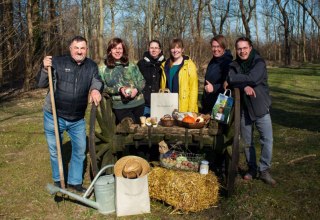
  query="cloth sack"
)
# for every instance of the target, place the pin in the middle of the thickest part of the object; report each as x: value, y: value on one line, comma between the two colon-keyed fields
x: 163, y: 103
x: 222, y: 108
x: 132, y: 196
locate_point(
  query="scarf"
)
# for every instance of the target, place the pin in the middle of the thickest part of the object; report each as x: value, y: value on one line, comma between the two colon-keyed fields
x: 245, y: 65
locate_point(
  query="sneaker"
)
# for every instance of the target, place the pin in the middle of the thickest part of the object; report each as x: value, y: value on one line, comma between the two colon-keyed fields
x: 267, y: 178
x: 57, y: 184
x: 79, y: 188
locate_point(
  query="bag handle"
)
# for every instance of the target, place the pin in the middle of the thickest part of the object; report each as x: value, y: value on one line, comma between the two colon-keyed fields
x: 166, y: 90
x: 225, y: 92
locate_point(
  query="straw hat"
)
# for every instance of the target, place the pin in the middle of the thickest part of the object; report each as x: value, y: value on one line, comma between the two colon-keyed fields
x: 131, y: 167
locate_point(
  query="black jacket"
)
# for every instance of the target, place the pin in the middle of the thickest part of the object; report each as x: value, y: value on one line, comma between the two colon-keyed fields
x: 72, y: 84
x: 216, y: 74
x: 256, y: 78
x: 151, y: 71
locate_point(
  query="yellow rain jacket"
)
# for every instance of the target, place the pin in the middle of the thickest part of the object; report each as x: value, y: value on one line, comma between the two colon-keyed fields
x: 188, y: 86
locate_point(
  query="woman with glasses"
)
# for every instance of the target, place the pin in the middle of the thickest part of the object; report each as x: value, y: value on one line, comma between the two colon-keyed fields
x: 150, y: 67
x: 180, y: 76
x: 215, y: 76
x: 216, y: 73
x: 123, y: 82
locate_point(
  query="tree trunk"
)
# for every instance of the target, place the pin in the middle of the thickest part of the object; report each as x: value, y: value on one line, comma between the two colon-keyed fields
x: 52, y: 26
x: 309, y: 11
x: 112, y: 3
x: 61, y: 35
x: 303, y: 34
x: 101, y: 28
x: 30, y: 45
x: 286, y: 26
x: 213, y: 27
x: 246, y: 20
x: 149, y: 18
x: 257, y: 28
x: 224, y: 17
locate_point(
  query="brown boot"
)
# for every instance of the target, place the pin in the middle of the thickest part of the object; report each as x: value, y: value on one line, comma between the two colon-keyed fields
x: 266, y: 177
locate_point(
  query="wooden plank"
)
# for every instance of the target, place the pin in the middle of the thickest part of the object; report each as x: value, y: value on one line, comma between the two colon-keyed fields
x: 175, y: 130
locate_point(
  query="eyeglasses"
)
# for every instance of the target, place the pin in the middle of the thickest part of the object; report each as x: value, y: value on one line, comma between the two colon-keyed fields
x: 216, y: 47
x: 242, y: 49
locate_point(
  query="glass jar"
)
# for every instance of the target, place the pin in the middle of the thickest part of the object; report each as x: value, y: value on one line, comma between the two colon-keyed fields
x: 204, y: 167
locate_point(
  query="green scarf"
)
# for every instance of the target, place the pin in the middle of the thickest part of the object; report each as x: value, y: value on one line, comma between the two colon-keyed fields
x: 245, y: 65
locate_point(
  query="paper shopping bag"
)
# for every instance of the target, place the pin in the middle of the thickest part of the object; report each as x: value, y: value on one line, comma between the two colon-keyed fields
x: 132, y: 196
x: 163, y: 103
x: 222, y: 108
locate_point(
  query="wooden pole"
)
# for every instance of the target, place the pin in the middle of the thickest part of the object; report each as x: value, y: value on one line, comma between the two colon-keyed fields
x: 56, y: 130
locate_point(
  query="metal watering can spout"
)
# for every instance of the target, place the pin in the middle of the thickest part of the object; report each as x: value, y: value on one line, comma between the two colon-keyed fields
x: 103, y: 190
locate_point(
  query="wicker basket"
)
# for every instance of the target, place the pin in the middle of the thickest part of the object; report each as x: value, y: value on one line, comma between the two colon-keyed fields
x: 167, y: 122
x: 196, y: 125
x: 179, y: 160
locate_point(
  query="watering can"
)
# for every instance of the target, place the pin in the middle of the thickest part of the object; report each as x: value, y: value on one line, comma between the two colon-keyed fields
x: 103, y: 191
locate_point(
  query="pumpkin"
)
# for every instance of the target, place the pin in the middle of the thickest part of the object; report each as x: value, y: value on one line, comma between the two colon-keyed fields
x: 189, y: 119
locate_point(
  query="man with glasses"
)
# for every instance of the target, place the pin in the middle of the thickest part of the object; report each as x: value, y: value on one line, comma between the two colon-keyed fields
x: 248, y: 73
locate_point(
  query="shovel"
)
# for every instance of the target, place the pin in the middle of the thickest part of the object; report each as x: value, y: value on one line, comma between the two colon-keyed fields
x: 56, y: 131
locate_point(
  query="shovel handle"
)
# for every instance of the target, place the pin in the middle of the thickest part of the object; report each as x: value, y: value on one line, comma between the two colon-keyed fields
x: 56, y: 130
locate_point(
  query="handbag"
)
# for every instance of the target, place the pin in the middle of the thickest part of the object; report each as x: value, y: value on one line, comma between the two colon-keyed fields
x: 222, y: 108
x: 132, y: 196
x: 163, y: 103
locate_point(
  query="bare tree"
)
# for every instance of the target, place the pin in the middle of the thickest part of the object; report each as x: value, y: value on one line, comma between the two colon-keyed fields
x: 101, y: 29
x: 32, y: 43
x: 6, y: 38
x: 309, y: 11
x: 222, y: 10
x: 112, y: 11
x: 246, y: 14
x: 286, y: 27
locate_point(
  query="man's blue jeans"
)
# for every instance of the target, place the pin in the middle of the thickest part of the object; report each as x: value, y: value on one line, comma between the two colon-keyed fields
x: 77, y: 133
x: 264, y: 127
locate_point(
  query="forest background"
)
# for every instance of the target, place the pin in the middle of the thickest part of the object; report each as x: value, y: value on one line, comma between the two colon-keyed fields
x: 285, y: 32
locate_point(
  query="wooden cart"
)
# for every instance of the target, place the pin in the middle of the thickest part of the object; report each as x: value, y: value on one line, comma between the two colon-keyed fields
x: 106, y: 140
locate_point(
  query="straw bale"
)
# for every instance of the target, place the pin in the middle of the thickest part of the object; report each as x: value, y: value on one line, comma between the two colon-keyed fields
x: 185, y: 191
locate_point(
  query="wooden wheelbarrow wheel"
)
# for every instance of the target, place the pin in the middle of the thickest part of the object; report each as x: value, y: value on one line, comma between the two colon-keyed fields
x: 92, y: 145
x: 102, y: 154
x: 233, y: 165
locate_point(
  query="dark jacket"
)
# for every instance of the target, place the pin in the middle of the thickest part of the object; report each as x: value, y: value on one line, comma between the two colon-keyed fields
x: 151, y: 71
x: 216, y: 74
x: 256, y: 78
x: 72, y: 84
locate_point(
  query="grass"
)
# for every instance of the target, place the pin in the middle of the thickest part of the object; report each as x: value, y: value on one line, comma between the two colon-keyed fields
x: 25, y: 167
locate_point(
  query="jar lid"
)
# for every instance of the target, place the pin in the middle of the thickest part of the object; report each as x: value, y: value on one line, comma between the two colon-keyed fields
x: 205, y: 162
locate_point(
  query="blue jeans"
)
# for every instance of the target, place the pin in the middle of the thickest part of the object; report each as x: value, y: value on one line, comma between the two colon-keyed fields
x: 264, y: 127
x: 77, y: 133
